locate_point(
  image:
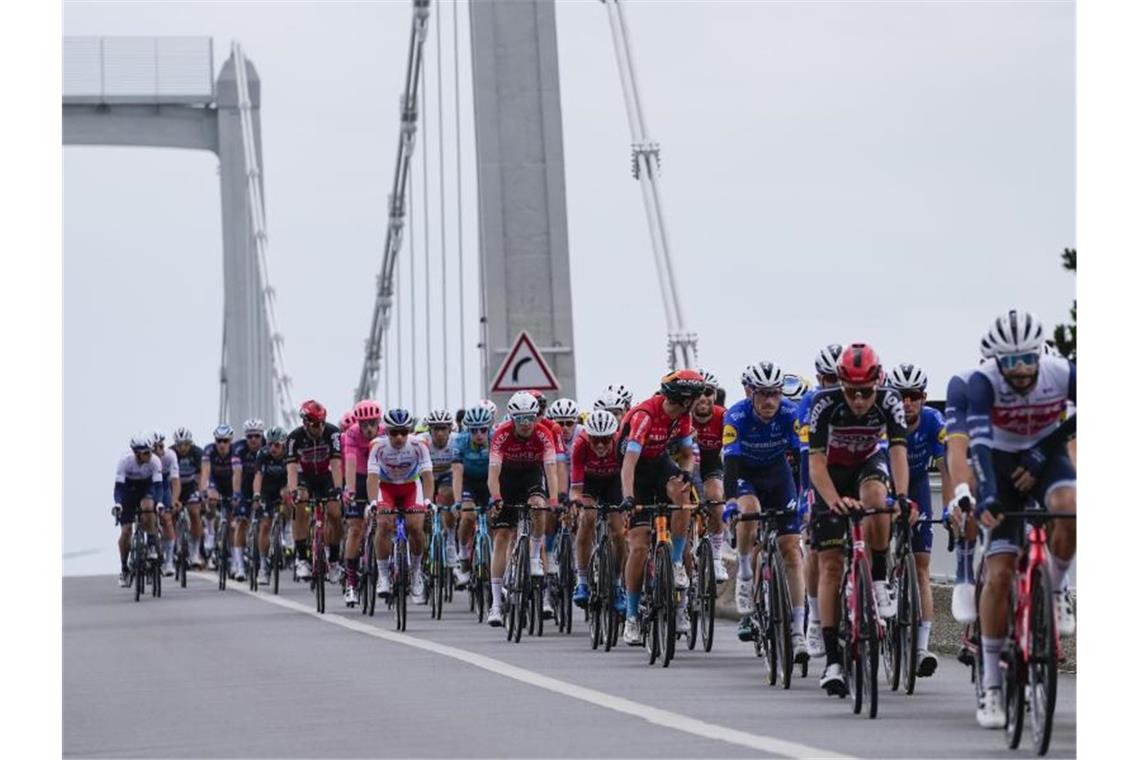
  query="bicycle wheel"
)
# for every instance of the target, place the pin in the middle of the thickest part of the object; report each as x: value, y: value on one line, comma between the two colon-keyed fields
x: 183, y: 559
x: 566, y: 582
x: 594, y: 608
x: 868, y: 641
x: 156, y: 578
x: 438, y: 568
x: 319, y: 579
x: 536, y: 596
x: 647, y: 612
x: 693, y: 613
x: 781, y: 612
x: 764, y: 629
x: 371, y: 579
x: 276, y: 563
x: 400, y: 587
x: 518, y: 591
x: 665, y: 605
x: 1013, y: 694
x: 706, y: 597
x: 909, y: 616
x: 1042, y: 676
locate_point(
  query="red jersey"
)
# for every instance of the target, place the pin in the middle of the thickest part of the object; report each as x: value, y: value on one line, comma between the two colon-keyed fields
x: 652, y: 430
x: 583, y: 461
x: 510, y: 450
x: 555, y: 431
x: 710, y: 433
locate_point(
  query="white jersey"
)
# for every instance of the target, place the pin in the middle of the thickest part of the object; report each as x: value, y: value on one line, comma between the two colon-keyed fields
x: 169, y: 462
x: 130, y: 471
x: 402, y: 465
x: 1021, y: 421
x: 441, y: 459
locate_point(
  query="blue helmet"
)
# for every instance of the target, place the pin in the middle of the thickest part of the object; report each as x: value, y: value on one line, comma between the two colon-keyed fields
x: 398, y: 418
x: 478, y: 416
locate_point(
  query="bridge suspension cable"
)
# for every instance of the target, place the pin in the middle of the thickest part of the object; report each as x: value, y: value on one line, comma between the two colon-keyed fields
x: 459, y: 208
x: 444, y: 295
x: 646, y: 164
x: 281, y: 380
x: 381, y: 312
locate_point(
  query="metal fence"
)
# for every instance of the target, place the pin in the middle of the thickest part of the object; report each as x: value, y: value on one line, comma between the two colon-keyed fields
x: 109, y: 70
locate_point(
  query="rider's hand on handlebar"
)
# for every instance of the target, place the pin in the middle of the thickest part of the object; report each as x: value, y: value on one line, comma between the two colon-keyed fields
x: 845, y: 504
x: 731, y: 509
x: 626, y: 504
x: 985, y: 516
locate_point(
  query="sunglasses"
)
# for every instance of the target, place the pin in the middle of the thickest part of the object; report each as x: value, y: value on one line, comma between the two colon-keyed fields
x: 522, y: 418
x: 477, y: 430
x: 1030, y: 359
x: 398, y: 431
x: 864, y: 391
x: 369, y: 423
x: 912, y: 395
x: 768, y: 393
x: 313, y: 423
x: 252, y: 436
x: 708, y: 392
x: 599, y: 440
x: 222, y: 440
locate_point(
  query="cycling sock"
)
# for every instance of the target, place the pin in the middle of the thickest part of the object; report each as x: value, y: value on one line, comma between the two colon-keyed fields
x: 797, y: 619
x: 302, y: 548
x: 831, y: 644
x: 168, y: 551
x: 813, y: 608
x: 924, y: 634
x: 991, y: 661
x: 1058, y: 572
x: 878, y: 565
x: 550, y: 543
x: 963, y: 555
x: 581, y: 579
x: 743, y: 569
x: 417, y: 564
x: 334, y: 554
x: 632, y: 599
x: 717, y: 542
x: 353, y: 565
x: 678, y: 550
x: 496, y: 592
x: 535, y: 547
x: 464, y: 551
x: 970, y: 561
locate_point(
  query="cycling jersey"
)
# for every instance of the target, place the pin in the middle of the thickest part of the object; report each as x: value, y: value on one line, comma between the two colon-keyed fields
x: 274, y: 475
x: 130, y: 476
x: 398, y: 465
x: 355, y: 446
x: 957, y: 403
x: 474, y: 460
x: 708, y: 441
x: 648, y: 429
x: 509, y: 450
x: 170, y: 466
x: 221, y: 469
x: 757, y: 443
x: 555, y: 431
x: 584, y: 462
x: 441, y: 458
x: 189, y: 467
x: 927, y: 443
x: 245, y: 459
x: 314, y: 455
x: 849, y: 440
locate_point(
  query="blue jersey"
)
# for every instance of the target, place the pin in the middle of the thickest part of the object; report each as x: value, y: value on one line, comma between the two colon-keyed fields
x: 927, y: 443
x: 803, y: 411
x: 957, y: 403
x: 758, y: 443
x: 474, y: 460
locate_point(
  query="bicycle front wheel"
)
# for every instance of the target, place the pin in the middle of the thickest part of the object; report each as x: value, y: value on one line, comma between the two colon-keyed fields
x: 781, y: 612
x: 665, y: 604
x: 868, y: 641
x: 706, y: 595
x: 566, y: 583
x: 400, y: 587
x: 909, y: 618
x: 1042, y: 686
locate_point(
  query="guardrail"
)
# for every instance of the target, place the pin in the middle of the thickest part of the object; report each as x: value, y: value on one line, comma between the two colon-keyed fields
x: 138, y: 70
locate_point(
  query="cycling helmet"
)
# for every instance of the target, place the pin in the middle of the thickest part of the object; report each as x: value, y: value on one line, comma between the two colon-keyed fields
x: 141, y: 442
x: 312, y: 411
x: 253, y: 426
x: 346, y: 421
x: 682, y: 385
x: 223, y: 432
x: 157, y: 438
x: 907, y: 377
x: 601, y: 423
x: 827, y: 358
x: 710, y: 378
x: 859, y: 365
x: 1016, y: 332
x: 563, y: 409
x: 540, y: 398
x: 183, y: 435
x: 401, y: 419
x: 623, y: 393
x: 275, y: 434
x: 522, y: 403
x: 795, y: 386
x: 478, y: 416
x: 440, y: 417
x: 611, y: 402
x: 366, y: 411
x: 763, y: 375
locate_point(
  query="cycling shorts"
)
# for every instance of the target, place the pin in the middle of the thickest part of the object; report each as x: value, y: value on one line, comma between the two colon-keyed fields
x: 829, y: 530
x: 318, y: 484
x: 1058, y: 472
x: 650, y: 485
x: 406, y: 496
x: 355, y: 509
x: 775, y: 488
x: 603, y: 489
x: 133, y: 494
x: 225, y: 488
x: 517, y: 485
x: 712, y: 466
x: 921, y: 536
x: 475, y: 490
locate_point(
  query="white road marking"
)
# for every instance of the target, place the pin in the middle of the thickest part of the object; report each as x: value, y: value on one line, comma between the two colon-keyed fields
x: 654, y: 715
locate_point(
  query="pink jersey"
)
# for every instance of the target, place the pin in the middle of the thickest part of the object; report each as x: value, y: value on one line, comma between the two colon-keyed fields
x: 353, y: 444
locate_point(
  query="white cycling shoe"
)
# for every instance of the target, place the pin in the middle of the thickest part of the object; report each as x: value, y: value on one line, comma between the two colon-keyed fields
x: 551, y: 564
x: 462, y: 577
x: 168, y: 569
x: 884, y: 599
x: 263, y: 577
x: 124, y: 580
x: 547, y: 605
x: 1063, y: 609
x: 815, y: 646
x: 419, y: 593
x: 963, y: 605
x: 631, y: 635
x: 680, y: 576
x: 799, y: 648
x: 832, y: 680
x: 719, y: 570
x: 683, y: 626
x: 744, y: 605
x: 336, y: 572
x: 304, y: 572
x: 990, y: 712
x: 536, y: 567
x: 495, y: 618
x: 383, y: 585
x: 350, y: 597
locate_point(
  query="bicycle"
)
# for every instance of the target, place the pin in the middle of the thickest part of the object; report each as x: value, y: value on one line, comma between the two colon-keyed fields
x: 366, y: 576
x: 479, y: 587
x: 222, y: 541
x: 401, y: 579
x: 182, y: 547
x: 139, y: 565
x: 438, y: 572
x: 860, y: 628
x: 316, y: 509
x: 562, y: 582
x: 771, y: 618
x: 522, y: 593
x: 702, y: 593
x: 277, y: 548
x: 252, y: 555
x: 604, y: 619
x: 657, y: 610
x: 900, y: 643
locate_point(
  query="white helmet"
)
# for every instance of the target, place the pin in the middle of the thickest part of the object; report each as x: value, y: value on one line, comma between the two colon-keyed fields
x: 489, y: 404
x: 141, y: 442
x: 907, y: 377
x: 710, y: 378
x: 157, y: 439
x: 1016, y: 332
x: 623, y: 393
x: 253, y: 426
x: 440, y: 417
x: 763, y: 375
x: 183, y: 435
x: 826, y: 361
x: 795, y: 386
x: 563, y: 409
x: 610, y: 401
x: 522, y: 403
x: 601, y: 424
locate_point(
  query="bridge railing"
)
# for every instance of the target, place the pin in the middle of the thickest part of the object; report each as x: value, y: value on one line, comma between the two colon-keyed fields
x: 138, y: 70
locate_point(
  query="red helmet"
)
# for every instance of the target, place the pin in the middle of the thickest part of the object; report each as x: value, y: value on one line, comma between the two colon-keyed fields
x: 312, y: 411
x: 859, y: 365
x: 682, y: 384
x: 346, y: 421
x: 366, y: 410
x: 540, y: 398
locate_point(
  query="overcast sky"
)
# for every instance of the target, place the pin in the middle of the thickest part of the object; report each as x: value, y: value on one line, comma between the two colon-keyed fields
x: 892, y: 172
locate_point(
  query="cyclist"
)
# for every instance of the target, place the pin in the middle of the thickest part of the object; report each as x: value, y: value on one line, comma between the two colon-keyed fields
x: 758, y: 432
x: 624, y: 394
x: 440, y: 440
x: 564, y: 412
x: 189, y: 467
x: 827, y: 375
x: 138, y: 488
x: 270, y: 489
x: 611, y: 402
x: 848, y: 471
x: 522, y: 466
x: 217, y: 478
x: 1016, y: 400
x: 708, y: 425
x: 400, y: 477
x: 650, y: 476
x: 469, y: 479
x: 925, y: 443
x: 245, y: 468
x: 171, y: 491
x: 546, y: 527
x: 356, y: 442
x: 795, y: 387
x: 595, y: 478
x: 312, y: 453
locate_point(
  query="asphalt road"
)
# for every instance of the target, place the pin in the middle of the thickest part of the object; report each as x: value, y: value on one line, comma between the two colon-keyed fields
x: 204, y: 673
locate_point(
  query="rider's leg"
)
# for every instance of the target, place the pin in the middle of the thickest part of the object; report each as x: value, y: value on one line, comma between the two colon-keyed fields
x: 499, y: 549
x: 334, y: 529
x: 585, y: 537
x: 714, y: 491
x: 637, y: 542
x: 746, y: 537
x: 877, y: 528
x: 1063, y: 533
x: 352, y: 546
x: 830, y: 576
x: 793, y: 566
x: 994, y: 610
x: 301, y: 525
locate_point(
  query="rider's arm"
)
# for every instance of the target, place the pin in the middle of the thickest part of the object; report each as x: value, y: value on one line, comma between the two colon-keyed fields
x: 427, y: 476
x: 350, y: 471
x: 236, y: 478
x: 257, y: 482
x: 156, y: 482
x: 457, y: 479
x: 549, y: 464
x: 628, y: 466
x: 980, y: 393
x: 334, y: 462
x: 900, y: 470
x: 175, y: 489
x: 373, y: 480
x: 493, y: 471
x: 204, y: 477
x: 685, y: 459
x: 731, y: 473
x: 120, y: 480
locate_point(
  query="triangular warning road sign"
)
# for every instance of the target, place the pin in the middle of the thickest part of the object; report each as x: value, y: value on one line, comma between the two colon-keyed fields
x: 524, y: 369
